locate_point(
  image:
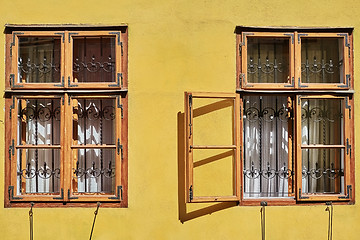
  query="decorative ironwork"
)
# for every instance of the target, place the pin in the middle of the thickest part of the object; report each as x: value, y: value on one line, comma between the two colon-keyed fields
x: 317, y: 67
x: 267, y: 67
x: 94, y: 66
x: 253, y: 114
x: 43, y: 172
x: 94, y: 172
x: 317, y: 172
x: 40, y: 112
x: 42, y: 68
x: 317, y: 114
x: 94, y: 112
x: 268, y: 173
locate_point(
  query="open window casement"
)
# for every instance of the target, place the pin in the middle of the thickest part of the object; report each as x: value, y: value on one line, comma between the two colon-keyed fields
x: 323, y: 148
x: 212, y: 146
x: 323, y: 61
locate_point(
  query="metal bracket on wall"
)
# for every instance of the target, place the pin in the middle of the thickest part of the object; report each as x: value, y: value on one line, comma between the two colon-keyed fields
x: 301, y: 197
x: 348, y: 191
x: 61, y: 195
x: 191, y: 194
x: 69, y: 195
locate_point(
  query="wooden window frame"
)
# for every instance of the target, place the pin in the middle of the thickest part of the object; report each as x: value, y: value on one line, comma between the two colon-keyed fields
x: 346, y: 152
x: 346, y: 50
x: 243, y: 78
x: 189, y: 113
x: 65, y: 92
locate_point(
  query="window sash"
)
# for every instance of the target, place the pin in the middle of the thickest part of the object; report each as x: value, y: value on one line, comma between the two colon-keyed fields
x: 190, y: 148
x: 346, y: 156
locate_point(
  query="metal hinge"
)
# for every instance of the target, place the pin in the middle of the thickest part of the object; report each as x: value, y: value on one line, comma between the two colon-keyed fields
x: 119, y: 194
x: 190, y: 111
x: 119, y: 81
x: 72, y: 33
x: 71, y: 85
x: 11, y: 149
x: 191, y: 196
x: 348, y: 147
x: 120, y: 149
x: 11, y: 194
x: 347, y: 106
x: 348, y: 195
x: 61, y: 195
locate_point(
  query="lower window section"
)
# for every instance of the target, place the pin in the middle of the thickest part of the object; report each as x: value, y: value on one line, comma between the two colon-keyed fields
x: 38, y: 171
x: 323, y: 171
x: 94, y: 171
x: 267, y: 149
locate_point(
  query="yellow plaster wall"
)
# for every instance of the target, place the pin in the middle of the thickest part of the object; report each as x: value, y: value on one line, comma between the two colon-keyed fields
x: 177, y: 46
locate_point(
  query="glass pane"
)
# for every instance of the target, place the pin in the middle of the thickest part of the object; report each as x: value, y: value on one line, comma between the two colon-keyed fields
x: 268, y: 60
x: 95, y: 121
x: 266, y: 146
x: 322, y: 60
x: 94, y: 59
x: 39, y: 60
x: 94, y: 171
x: 38, y: 171
x: 323, y: 170
x: 322, y: 121
x: 39, y: 121
x: 213, y: 173
x: 212, y: 116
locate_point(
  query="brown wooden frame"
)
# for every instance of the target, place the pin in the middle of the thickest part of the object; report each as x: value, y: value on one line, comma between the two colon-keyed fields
x: 346, y: 50
x: 189, y: 96
x: 65, y: 92
x: 347, y: 154
x: 243, y: 77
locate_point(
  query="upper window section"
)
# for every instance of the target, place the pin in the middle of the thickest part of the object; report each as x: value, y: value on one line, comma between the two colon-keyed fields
x: 268, y: 60
x: 39, y: 60
x: 67, y: 59
x: 294, y: 60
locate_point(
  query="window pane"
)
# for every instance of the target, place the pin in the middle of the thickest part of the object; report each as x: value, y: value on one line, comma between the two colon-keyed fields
x: 94, y: 59
x: 39, y: 60
x: 39, y: 121
x: 94, y: 171
x: 206, y: 162
x: 210, y: 117
x: 266, y: 146
x: 268, y: 60
x: 38, y: 171
x: 323, y: 170
x: 95, y: 121
x: 322, y: 60
x: 322, y: 121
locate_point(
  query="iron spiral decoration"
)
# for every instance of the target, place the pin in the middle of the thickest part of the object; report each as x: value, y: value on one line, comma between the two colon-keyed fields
x: 42, y: 68
x: 41, y: 113
x: 317, y: 67
x: 93, y: 112
x: 94, y: 66
x: 317, y: 172
x: 43, y: 172
x: 267, y: 67
x: 268, y: 172
x: 318, y: 114
x: 93, y: 171
x: 268, y: 114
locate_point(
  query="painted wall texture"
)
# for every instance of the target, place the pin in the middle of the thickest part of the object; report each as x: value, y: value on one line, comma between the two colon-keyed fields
x: 177, y: 46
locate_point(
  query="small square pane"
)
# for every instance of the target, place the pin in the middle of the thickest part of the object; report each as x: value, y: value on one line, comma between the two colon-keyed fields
x: 268, y: 60
x: 322, y: 121
x: 94, y: 59
x: 39, y: 121
x: 94, y: 121
x: 39, y: 60
x: 322, y: 60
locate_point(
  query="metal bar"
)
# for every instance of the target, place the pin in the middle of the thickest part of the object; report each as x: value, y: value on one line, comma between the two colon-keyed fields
x: 85, y: 180
x: 260, y: 141
x: 93, y: 146
x: 36, y: 150
x: 95, y: 213
x: 308, y: 140
x: 101, y: 141
x: 213, y: 147
x: 312, y: 146
x: 52, y: 142
x: 40, y: 146
x: 276, y: 148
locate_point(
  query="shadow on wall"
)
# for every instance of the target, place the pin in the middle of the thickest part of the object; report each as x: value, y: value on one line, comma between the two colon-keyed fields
x: 184, y: 213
